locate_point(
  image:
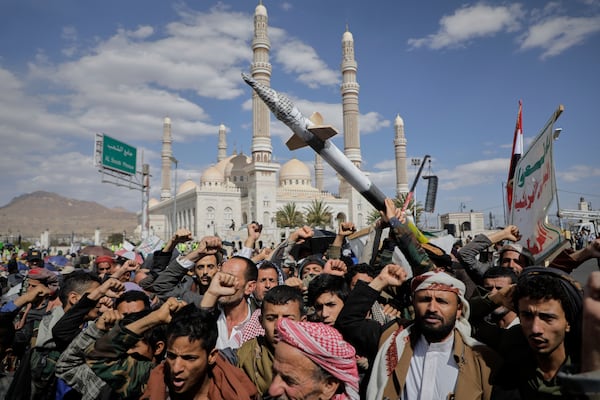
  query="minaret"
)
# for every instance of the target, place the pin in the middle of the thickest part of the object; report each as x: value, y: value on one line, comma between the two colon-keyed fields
x: 349, y: 91
x: 358, y: 207
x: 400, y: 148
x: 222, y: 153
x: 261, y: 201
x: 261, y: 71
x: 319, y: 182
x: 166, y: 156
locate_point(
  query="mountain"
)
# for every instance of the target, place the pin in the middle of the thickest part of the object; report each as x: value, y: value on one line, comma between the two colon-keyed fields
x: 31, y: 214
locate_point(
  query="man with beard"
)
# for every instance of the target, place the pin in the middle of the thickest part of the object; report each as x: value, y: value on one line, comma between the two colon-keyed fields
x: 204, y: 261
x: 432, y: 357
x: 228, y: 296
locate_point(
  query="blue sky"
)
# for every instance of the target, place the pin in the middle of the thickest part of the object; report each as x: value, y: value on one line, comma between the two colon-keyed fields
x: 454, y: 71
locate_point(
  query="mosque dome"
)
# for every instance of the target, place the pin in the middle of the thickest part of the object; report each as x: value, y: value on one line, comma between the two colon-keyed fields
x: 294, y: 172
x: 187, y: 186
x: 167, y: 120
x: 212, y: 174
x: 153, y: 202
x: 347, y: 37
x: 222, y: 165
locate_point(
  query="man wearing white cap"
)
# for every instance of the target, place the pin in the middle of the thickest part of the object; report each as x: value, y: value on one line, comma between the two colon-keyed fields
x: 434, y: 357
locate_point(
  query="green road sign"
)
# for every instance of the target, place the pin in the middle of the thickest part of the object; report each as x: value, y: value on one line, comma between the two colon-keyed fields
x: 118, y: 156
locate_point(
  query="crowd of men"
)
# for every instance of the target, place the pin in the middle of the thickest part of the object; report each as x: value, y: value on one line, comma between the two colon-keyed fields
x: 288, y: 323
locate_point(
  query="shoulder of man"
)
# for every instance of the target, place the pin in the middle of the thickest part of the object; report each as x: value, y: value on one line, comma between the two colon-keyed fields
x: 391, y: 327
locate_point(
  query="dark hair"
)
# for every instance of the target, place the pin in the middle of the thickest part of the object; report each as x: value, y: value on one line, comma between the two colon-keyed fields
x: 152, y: 336
x: 540, y: 283
x: 218, y: 257
x: 268, y: 265
x: 78, y: 282
x: 360, y: 268
x: 326, y: 283
x: 195, y: 324
x: 13, y: 266
x: 347, y: 260
x: 133, y: 296
x: 250, y: 272
x: 283, y: 294
x: 500, y: 272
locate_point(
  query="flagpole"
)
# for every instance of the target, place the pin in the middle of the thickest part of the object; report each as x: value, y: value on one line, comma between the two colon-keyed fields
x: 517, y: 152
x: 502, y: 191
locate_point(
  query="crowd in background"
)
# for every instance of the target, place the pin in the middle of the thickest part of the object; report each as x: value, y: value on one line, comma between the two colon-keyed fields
x: 306, y: 319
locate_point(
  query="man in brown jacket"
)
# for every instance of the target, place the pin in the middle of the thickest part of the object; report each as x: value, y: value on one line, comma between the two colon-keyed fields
x: 433, y: 358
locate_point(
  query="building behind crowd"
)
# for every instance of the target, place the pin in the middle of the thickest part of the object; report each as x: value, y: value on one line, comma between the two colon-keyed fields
x: 241, y: 188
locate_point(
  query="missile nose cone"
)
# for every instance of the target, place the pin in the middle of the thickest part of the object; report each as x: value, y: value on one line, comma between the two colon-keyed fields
x: 248, y: 79
x: 268, y: 95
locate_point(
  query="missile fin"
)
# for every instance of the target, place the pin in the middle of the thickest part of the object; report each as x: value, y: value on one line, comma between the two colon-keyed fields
x: 323, y: 132
x: 295, y: 142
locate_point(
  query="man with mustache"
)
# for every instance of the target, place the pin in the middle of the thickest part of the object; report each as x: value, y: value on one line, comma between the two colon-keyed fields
x: 312, y: 362
x: 433, y: 357
x: 204, y: 262
x: 228, y: 297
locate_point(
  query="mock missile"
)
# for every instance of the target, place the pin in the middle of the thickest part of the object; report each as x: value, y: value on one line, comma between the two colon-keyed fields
x: 306, y: 132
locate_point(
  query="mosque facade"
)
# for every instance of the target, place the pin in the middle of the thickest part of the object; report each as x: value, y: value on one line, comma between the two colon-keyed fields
x: 241, y: 188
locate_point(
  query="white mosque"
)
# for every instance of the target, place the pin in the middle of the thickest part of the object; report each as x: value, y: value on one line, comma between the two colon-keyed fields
x: 241, y: 188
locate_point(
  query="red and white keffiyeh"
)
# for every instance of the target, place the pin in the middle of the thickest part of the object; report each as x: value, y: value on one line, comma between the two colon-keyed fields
x: 325, y: 346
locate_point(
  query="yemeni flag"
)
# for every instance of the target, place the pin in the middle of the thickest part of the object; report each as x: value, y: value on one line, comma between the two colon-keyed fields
x: 517, y: 151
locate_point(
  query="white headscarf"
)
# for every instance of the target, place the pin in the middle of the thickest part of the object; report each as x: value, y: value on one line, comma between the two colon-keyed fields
x: 427, y: 281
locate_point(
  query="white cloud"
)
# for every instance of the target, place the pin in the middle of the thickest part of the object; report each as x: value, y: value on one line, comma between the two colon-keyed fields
x: 578, y: 173
x: 471, y: 22
x: 301, y: 59
x: 473, y: 173
x: 557, y: 34
x: 141, y: 32
x: 386, y: 165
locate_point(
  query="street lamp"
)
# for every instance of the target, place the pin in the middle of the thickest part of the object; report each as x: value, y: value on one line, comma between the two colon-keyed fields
x: 174, y: 160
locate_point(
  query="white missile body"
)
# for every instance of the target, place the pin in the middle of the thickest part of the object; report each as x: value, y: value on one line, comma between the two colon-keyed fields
x: 317, y: 137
